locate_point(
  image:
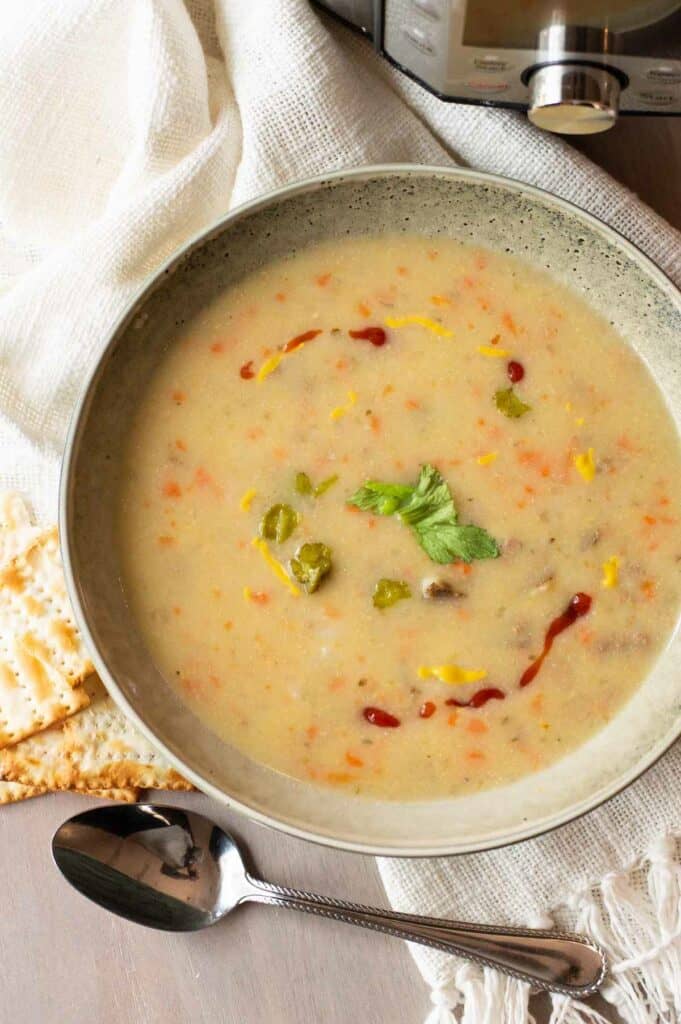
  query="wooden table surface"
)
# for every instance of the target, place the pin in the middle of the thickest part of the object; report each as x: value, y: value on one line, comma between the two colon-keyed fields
x: 64, y: 961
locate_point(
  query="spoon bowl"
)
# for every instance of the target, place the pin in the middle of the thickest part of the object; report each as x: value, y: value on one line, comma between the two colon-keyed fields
x: 172, y: 869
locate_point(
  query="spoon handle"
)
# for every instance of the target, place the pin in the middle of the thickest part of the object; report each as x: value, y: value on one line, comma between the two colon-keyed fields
x: 556, y: 961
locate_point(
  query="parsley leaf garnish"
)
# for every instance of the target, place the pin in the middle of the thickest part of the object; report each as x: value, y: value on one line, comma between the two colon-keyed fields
x: 428, y: 508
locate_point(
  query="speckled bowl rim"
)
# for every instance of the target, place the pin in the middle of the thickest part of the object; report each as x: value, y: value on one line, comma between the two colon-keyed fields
x: 519, y: 834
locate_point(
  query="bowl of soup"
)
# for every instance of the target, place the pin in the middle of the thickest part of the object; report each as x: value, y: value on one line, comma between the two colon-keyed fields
x: 370, y: 511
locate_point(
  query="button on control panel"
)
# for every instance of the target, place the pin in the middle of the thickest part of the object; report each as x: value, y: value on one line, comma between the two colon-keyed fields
x: 656, y: 97
x: 419, y: 38
x: 488, y: 85
x: 491, y: 64
x: 431, y: 8
x: 664, y: 75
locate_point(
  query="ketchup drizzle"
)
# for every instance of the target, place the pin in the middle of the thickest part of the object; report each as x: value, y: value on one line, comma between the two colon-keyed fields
x: 300, y: 339
x: 579, y: 605
x: 478, y: 699
x: 246, y: 371
x: 515, y: 371
x: 376, y: 716
x: 376, y: 335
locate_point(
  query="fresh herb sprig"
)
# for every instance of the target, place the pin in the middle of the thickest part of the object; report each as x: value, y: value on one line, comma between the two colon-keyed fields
x: 428, y: 508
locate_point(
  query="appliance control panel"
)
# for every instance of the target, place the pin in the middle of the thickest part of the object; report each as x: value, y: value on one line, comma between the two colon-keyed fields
x: 434, y: 42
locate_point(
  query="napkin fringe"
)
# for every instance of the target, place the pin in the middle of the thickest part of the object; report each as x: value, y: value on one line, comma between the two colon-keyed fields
x: 634, y: 915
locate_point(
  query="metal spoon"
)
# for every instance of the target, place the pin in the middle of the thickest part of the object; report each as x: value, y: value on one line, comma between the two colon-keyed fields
x: 169, y: 868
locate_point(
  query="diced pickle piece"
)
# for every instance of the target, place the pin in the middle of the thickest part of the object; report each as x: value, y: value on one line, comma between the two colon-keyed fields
x: 311, y: 563
x: 323, y: 487
x: 389, y: 592
x: 508, y: 402
x: 303, y: 484
x: 278, y: 523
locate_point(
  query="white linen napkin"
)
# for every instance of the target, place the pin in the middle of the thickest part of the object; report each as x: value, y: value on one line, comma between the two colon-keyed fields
x: 128, y: 125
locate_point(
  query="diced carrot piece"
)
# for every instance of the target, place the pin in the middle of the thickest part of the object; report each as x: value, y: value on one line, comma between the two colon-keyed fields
x: 375, y: 424
x: 165, y: 541
x: 363, y: 309
x: 353, y: 760
x: 203, y: 477
x: 650, y: 520
x: 323, y: 280
x: 403, y: 271
x: 217, y: 347
x: 179, y: 397
x: 480, y: 261
x: 280, y: 297
x: 464, y: 567
x: 339, y: 778
x: 477, y: 725
x: 312, y: 731
x: 452, y: 718
x: 432, y: 254
x: 475, y: 755
x: 509, y: 323
x: 180, y: 445
x: 171, y: 489
x: 412, y: 403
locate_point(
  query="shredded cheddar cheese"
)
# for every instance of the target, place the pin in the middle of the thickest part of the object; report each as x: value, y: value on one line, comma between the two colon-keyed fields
x: 585, y: 464
x: 485, y: 460
x: 276, y: 567
x: 248, y: 593
x: 580, y: 421
x: 493, y: 352
x: 440, y: 300
x: 451, y: 673
x: 421, y: 321
x: 611, y: 572
x: 247, y: 498
x: 341, y: 410
x: 269, y: 366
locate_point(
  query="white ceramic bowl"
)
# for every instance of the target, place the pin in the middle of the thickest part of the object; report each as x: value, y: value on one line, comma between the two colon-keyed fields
x: 547, y: 232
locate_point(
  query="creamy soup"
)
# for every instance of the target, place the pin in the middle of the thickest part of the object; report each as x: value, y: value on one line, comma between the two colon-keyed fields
x: 400, y: 516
